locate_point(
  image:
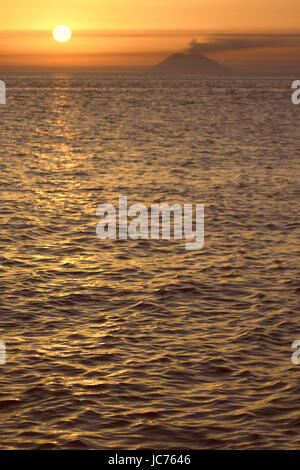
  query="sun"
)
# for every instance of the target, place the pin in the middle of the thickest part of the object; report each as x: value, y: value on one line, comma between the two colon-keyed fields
x: 62, y: 33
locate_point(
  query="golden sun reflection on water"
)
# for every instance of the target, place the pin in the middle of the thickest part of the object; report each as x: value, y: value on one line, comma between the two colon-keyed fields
x: 141, y: 343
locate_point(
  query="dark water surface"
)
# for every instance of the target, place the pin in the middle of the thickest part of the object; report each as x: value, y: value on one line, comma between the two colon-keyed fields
x: 142, y: 344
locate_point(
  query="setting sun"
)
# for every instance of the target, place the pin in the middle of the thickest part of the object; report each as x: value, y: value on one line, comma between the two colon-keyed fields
x: 62, y: 33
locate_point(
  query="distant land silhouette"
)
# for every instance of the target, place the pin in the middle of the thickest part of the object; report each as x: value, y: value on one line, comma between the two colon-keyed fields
x: 180, y: 63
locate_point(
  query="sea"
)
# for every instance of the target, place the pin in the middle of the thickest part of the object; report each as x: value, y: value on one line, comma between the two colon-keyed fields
x: 142, y: 344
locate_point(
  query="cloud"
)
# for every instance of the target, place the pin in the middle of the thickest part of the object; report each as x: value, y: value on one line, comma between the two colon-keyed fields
x: 219, y: 43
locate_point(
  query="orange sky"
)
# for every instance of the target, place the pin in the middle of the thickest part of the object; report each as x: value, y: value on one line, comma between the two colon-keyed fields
x: 138, y: 33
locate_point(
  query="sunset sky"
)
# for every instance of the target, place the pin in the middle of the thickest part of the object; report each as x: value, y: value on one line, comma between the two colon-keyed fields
x: 132, y: 34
